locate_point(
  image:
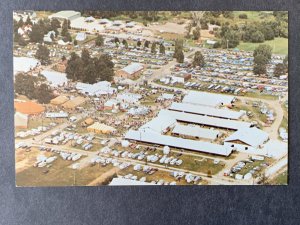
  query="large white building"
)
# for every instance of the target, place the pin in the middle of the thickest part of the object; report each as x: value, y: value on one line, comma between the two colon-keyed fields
x: 208, y: 99
x: 206, y: 110
x: 247, y: 139
x: 68, y: 15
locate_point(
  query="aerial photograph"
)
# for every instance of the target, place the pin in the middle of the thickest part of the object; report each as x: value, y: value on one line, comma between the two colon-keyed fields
x: 123, y: 98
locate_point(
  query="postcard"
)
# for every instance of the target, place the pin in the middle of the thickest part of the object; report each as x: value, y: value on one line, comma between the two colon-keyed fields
x: 150, y: 98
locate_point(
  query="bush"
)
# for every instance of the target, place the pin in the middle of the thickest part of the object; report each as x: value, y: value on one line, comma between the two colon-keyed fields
x: 217, y: 45
x: 243, y: 16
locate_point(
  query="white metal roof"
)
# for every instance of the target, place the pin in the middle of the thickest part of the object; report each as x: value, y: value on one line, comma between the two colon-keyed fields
x: 67, y: 14
x: 133, y: 67
x: 57, y: 115
x: 55, y: 78
x: 156, y: 138
x: 205, y: 110
x: 208, y: 99
x: 251, y: 136
x: 80, y: 36
x: 195, y: 131
x: 100, y: 88
x: 24, y: 64
x: 205, y: 120
x: 129, y: 97
x: 159, y: 124
x: 126, y: 182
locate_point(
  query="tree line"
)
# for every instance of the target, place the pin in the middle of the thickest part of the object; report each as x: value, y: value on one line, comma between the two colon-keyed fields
x: 42, y: 27
x: 89, y: 69
x: 33, y: 88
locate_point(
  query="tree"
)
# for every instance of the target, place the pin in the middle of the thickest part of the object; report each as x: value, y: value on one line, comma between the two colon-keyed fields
x: 67, y: 38
x: 37, y: 34
x: 89, y: 73
x: 198, y: 59
x: 65, y: 28
x: 188, y: 30
x: 265, y: 51
x: 139, y: 43
x: 180, y: 57
x: 196, y: 33
x: 146, y: 44
x: 25, y: 85
x: 268, y: 32
x: 259, y: 69
x: 28, y: 21
x: 21, y: 41
x: 257, y: 37
x: 117, y: 40
x: 229, y: 35
x: 43, y: 54
x: 178, y: 47
x: 243, y: 16
x: 43, y: 94
x: 20, y: 23
x: 262, y: 55
x: 124, y: 42
x: 153, y: 48
x: 74, y: 67
x: 162, y: 49
x: 85, y: 56
x: 75, y: 42
x: 280, y: 69
x: 99, y: 40
x: 55, y: 24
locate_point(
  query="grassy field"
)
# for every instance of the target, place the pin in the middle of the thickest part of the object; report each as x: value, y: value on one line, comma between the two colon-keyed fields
x: 281, y: 179
x: 279, y: 45
x: 59, y: 175
x: 250, y: 166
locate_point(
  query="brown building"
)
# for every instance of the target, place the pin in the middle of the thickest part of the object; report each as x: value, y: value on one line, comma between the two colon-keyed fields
x: 131, y: 71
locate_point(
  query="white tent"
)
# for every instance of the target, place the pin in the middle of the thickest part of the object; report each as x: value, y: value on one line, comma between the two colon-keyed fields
x: 55, y: 78
x: 21, y: 120
x: 166, y: 150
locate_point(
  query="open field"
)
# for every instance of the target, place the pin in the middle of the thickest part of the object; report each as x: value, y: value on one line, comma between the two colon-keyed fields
x: 59, y: 174
x: 279, y: 46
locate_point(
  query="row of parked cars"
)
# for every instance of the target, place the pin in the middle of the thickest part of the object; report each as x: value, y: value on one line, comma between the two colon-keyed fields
x: 35, y: 131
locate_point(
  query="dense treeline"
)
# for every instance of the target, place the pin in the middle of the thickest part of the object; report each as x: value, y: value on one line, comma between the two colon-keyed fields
x: 33, y: 88
x: 89, y: 70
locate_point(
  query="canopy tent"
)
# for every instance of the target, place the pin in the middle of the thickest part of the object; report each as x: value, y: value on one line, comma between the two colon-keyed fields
x: 21, y: 120
x: 73, y: 103
x: 59, y: 100
x: 88, y: 121
x: 101, y: 128
x: 29, y: 108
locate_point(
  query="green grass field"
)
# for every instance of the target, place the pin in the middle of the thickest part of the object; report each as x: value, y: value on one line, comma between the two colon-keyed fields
x: 279, y: 45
